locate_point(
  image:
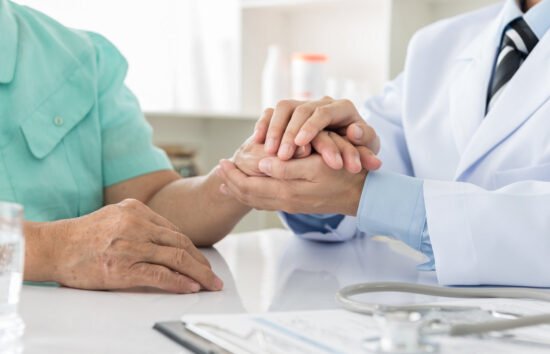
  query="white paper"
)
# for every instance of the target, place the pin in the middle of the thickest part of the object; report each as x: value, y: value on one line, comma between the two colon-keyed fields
x: 340, y: 331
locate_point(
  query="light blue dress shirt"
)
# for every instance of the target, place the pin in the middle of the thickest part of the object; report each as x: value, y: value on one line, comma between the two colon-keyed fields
x: 393, y: 204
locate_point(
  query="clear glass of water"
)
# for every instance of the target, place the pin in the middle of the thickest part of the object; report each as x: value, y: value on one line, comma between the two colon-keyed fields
x: 12, y: 251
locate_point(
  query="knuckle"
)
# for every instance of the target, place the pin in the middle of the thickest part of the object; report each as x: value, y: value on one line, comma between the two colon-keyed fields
x: 281, y: 170
x: 302, y: 110
x: 127, y: 221
x: 322, y: 111
x: 180, y: 259
x: 185, y: 242
x: 283, y: 105
x: 347, y: 102
x: 130, y: 203
x: 260, y: 124
x: 109, y: 263
x: 157, y: 274
x: 111, y: 209
x: 352, y: 151
x: 117, y: 244
x: 333, y: 135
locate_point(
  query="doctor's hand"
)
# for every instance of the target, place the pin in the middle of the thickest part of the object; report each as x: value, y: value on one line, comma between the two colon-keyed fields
x: 294, y: 123
x: 304, y: 185
x: 128, y: 245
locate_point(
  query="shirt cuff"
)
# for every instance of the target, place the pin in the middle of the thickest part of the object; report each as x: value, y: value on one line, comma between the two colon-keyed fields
x: 304, y: 223
x: 393, y: 205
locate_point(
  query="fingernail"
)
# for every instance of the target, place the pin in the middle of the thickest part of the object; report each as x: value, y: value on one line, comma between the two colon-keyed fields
x: 357, y: 132
x: 285, y: 152
x: 265, y: 166
x: 303, y: 137
x: 195, y: 287
x: 338, y: 160
x: 271, y: 145
x: 218, y: 284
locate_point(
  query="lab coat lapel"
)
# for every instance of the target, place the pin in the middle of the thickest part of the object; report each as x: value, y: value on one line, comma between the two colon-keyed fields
x: 468, y: 91
x: 525, y: 93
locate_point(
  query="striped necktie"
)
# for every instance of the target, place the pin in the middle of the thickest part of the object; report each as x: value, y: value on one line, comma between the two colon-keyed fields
x: 519, y: 40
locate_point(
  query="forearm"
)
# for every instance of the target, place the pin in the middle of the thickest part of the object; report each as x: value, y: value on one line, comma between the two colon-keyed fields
x: 198, y: 208
x: 40, y: 261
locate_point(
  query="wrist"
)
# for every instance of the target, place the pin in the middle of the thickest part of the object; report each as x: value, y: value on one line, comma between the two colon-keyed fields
x: 41, y: 260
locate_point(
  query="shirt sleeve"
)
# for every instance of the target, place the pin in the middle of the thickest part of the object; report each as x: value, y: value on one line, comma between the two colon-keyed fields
x: 323, y: 228
x: 393, y: 205
x: 128, y: 150
x: 302, y: 223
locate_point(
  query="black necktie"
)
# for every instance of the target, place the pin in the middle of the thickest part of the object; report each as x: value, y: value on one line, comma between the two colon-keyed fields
x: 519, y: 40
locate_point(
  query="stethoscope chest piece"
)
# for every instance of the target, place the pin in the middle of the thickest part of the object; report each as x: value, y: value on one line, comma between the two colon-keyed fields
x: 400, y: 333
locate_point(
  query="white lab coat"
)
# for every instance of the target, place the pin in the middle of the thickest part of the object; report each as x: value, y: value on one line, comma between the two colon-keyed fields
x: 487, y: 178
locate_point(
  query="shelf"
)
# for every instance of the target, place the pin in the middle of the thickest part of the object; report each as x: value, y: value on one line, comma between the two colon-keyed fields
x: 255, y: 4
x: 204, y: 115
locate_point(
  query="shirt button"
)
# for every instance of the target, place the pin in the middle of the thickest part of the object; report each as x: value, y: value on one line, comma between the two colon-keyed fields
x: 58, y: 121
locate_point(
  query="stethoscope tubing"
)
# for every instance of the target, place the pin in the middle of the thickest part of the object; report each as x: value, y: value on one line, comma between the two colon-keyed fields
x: 344, y: 298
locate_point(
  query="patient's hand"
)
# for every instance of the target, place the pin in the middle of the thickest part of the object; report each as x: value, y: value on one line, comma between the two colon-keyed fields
x: 250, y: 153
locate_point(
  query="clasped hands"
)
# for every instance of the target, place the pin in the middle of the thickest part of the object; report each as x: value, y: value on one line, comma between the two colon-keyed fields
x: 304, y: 157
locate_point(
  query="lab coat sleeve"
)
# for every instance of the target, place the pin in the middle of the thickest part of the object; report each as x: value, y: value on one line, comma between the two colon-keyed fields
x: 384, y: 114
x: 497, y: 237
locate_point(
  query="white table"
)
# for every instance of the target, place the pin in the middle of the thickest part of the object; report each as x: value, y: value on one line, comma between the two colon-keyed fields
x: 263, y: 271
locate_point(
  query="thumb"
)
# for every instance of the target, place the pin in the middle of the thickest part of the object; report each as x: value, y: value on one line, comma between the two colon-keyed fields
x: 362, y: 134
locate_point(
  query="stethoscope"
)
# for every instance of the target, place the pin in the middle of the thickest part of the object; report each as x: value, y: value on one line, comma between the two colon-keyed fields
x: 405, y: 329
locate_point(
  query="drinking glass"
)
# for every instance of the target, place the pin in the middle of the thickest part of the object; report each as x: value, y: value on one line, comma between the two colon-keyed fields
x: 12, y: 250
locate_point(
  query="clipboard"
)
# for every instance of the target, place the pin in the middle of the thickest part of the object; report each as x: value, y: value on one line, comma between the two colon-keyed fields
x: 177, y: 331
x: 312, y: 332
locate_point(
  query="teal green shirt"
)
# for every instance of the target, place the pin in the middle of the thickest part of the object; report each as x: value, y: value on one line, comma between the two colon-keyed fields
x: 69, y: 127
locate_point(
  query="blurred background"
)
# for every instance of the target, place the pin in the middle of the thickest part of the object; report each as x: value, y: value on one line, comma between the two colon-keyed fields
x: 205, y: 69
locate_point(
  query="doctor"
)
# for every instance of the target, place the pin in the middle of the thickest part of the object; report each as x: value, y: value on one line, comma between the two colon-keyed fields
x: 465, y: 142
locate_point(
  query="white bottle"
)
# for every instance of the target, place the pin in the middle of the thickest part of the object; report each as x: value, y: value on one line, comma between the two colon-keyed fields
x: 308, y: 76
x: 275, y: 84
